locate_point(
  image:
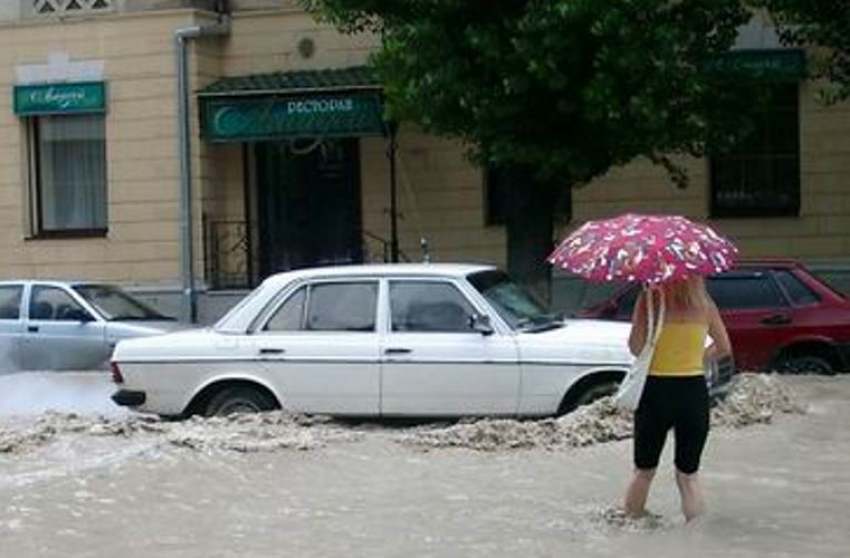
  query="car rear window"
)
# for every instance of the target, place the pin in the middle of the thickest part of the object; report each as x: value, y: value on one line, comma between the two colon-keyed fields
x: 799, y: 293
x: 745, y: 292
x: 10, y: 302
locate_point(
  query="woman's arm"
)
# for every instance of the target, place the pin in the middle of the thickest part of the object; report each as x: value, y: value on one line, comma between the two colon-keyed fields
x: 637, y: 336
x: 721, y: 345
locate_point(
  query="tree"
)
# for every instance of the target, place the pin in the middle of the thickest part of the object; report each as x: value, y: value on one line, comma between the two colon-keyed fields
x: 556, y: 92
x: 824, y: 24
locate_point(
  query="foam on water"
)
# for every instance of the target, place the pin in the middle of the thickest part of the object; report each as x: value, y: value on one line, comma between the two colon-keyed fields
x: 752, y: 399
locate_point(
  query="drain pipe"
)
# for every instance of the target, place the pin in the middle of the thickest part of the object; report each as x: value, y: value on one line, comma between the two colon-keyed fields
x: 182, y: 36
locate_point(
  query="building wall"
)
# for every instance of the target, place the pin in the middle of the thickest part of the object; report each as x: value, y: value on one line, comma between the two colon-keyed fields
x: 440, y: 194
x: 820, y: 234
x: 142, y: 168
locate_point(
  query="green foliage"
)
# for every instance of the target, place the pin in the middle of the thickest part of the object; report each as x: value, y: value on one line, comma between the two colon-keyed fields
x: 568, y: 87
x: 818, y: 23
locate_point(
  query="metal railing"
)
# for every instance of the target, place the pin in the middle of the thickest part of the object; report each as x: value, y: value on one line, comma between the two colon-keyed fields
x: 230, y: 262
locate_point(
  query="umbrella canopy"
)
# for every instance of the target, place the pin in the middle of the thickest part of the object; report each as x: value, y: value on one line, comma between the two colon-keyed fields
x: 652, y: 249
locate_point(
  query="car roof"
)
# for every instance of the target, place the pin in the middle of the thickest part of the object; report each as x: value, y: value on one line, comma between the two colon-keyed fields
x: 767, y: 262
x: 412, y: 269
x: 50, y: 282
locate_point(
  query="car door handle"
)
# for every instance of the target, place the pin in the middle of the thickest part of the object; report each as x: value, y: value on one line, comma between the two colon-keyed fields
x: 271, y: 351
x: 397, y: 351
x: 32, y: 329
x: 777, y: 319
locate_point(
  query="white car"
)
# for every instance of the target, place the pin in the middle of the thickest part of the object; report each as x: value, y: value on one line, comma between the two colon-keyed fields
x: 378, y: 340
x: 67, y: 325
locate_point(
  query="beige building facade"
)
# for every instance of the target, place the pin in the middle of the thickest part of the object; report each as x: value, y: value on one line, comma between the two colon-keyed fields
x: 91, y: 185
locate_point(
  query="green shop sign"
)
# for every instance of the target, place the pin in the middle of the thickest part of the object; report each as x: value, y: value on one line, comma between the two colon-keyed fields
x: 60, y: 98
x: 239, y: 119
x: 768, y: 65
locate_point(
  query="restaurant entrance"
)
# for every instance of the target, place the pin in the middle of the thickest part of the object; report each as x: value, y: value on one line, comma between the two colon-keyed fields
x: 308, y: 203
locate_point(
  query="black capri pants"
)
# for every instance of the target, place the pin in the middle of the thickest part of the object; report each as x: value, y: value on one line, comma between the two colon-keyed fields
x: 680, y: 403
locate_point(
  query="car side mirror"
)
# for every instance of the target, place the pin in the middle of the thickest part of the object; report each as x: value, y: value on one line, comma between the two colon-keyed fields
x: 481, y: 323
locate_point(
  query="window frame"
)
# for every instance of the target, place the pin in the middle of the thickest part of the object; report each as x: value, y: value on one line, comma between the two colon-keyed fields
x: 741, y: 156
x: 35, y: 183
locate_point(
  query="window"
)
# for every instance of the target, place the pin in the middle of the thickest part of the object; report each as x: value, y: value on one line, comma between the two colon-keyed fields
x: 429, y: 306
x: 513, y: 303
x: 10, y: 302
x: 328, y: 307
x: 797, y: 291
x: 114, y: 304
x: 51, y: 303
x: 745, y: 292
x: 290, y: 315
x: 68, y: 161
x: 761, y: 176
x: 626, y: 304
x: 342, y: 307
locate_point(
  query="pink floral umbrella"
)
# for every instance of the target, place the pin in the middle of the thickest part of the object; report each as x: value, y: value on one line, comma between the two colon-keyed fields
x: 652, y: 249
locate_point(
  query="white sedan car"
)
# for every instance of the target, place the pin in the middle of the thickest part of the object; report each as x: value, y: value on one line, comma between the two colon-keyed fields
x: 380, y: 340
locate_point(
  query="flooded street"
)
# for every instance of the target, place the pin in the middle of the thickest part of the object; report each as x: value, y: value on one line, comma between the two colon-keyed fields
x: 82, y: 486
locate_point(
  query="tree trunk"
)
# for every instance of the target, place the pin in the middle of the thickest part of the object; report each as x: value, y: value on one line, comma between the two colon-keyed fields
x: 529, y: 220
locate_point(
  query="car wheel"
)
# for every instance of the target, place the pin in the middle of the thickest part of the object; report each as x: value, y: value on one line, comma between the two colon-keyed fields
x: 594, y: 392
x: 239, y: 399
x: 805, y: 365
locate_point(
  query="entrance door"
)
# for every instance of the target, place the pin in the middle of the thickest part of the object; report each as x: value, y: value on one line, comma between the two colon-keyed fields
x: 308, y: 204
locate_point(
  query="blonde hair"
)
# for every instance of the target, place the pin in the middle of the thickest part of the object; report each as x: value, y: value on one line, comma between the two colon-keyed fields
x: 687, y: 294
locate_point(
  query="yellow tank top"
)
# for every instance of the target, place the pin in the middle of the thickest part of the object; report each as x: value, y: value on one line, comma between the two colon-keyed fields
x: 680, y: 349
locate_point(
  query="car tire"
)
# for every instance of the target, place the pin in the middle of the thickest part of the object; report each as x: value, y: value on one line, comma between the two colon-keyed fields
x: 804, y: 364
x: 239, y: 399
x: 595, y: 391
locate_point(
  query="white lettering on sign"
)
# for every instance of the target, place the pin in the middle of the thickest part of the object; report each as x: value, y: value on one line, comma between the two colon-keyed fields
x: 61, y: 98
x: 314, y: 106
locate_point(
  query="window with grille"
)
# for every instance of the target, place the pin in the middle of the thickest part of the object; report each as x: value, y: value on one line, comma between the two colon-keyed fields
x: 761, y: 176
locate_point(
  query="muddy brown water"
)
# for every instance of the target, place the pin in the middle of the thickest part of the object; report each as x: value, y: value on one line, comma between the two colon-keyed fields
x: 88, y: 485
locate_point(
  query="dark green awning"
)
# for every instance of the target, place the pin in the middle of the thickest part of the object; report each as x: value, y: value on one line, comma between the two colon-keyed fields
x: 309, y: 103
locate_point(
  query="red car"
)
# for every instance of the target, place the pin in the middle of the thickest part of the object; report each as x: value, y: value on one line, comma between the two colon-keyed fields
x: 779, y: 315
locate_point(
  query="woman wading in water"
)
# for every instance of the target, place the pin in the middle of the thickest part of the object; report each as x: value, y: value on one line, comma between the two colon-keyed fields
x: 675, y: 395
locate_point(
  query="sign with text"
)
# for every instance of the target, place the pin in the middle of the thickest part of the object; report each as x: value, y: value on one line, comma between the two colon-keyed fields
x: 237, y: 119
x: 60, y: 98
x: 770, y: 65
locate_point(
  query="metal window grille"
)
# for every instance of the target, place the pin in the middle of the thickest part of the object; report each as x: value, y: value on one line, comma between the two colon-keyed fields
x: 761, y: 176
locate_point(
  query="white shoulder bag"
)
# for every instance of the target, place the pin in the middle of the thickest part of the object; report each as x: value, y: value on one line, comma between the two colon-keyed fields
x: 628, y: 394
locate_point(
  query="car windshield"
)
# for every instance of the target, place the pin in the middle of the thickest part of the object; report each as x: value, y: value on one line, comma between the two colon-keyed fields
x: 519, y: 308
x: 115, y: 304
